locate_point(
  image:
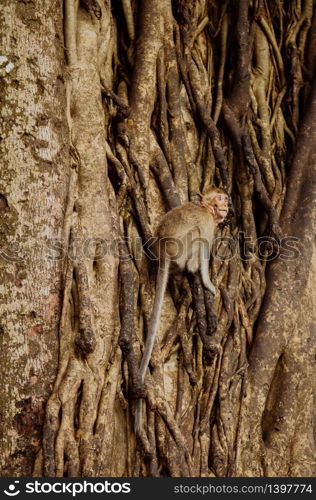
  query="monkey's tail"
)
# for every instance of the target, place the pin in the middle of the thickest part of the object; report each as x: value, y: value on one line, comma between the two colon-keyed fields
x: 138, y: 424
x: 161, y: 285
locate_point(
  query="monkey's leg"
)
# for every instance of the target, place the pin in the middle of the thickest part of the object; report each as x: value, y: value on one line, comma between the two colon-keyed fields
x: 161, y: 284
x: 193, y: 251
x: 204, y: 266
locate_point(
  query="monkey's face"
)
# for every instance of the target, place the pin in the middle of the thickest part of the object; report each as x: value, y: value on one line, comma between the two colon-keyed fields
x: 221, y: 206
x: 217, y: 201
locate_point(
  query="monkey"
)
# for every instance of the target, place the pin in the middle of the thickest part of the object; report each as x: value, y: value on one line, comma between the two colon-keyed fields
x: 184, y: 239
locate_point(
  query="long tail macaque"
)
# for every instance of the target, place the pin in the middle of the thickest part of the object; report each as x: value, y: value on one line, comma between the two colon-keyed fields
x: 184, y: 241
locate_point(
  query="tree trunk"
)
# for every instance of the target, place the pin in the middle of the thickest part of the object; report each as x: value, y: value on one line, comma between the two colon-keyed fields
x: 33, y: 185
x: 149, y: 103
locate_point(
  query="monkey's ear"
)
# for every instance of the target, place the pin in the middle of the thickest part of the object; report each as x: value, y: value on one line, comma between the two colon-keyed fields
x: 198, y: 198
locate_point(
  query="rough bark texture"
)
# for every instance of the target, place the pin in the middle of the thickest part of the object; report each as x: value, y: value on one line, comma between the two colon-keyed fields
x: 34, y: 175
x: 157, y: 100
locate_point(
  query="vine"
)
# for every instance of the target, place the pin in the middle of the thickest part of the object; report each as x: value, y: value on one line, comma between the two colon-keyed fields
x: 174, y: 96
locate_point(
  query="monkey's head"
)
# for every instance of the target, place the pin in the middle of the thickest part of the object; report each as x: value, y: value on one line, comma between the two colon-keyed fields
x: 215, y: 200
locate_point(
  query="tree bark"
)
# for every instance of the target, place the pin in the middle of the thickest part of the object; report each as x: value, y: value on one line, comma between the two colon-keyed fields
x: 33, y: 186
x: 148, y: 104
